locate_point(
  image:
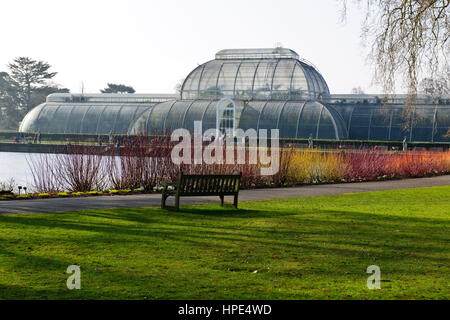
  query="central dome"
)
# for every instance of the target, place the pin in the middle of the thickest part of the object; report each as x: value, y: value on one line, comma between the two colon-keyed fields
x: 255, y: 74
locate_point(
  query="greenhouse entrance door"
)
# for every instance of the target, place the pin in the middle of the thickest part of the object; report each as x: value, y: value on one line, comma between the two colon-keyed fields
x: 226, y: 117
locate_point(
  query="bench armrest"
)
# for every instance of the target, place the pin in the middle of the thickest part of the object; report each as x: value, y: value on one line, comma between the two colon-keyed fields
x: 166, y: 184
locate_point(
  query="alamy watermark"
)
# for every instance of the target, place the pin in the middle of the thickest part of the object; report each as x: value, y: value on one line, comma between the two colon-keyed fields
x: 233, y: 142
x: 374, y: 281
x: 74, y: 281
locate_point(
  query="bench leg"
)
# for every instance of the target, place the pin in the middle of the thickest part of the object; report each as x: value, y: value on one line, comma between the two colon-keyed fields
x: 163, y: 201
x: 235, y: 202
x: 177, y: 202
x: 221, y: 200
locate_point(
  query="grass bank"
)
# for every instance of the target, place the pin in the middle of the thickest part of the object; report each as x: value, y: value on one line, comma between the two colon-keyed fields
x: 308, y: 248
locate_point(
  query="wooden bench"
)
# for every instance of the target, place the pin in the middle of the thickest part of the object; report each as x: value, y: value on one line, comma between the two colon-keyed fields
x: 190, y: 185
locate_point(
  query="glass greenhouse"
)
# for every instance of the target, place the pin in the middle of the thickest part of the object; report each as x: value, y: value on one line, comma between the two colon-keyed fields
x: 271, y: 89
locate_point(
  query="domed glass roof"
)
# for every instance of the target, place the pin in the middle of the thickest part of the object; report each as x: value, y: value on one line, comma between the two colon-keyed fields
x: 255, y: 74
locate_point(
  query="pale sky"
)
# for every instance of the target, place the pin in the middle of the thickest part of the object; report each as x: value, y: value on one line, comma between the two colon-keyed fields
x: 151, y: 44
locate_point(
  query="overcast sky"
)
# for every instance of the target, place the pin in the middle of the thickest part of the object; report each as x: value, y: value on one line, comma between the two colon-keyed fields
x: 151, y: 44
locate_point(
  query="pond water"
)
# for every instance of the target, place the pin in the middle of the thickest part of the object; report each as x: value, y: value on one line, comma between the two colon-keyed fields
x: 14, y: 165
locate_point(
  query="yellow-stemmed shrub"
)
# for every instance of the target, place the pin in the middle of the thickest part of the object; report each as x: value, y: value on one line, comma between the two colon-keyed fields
x: 315, y: 166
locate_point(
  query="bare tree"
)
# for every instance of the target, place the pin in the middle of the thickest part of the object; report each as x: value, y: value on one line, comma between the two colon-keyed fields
x: 436, y: 87
x: 408, y: 40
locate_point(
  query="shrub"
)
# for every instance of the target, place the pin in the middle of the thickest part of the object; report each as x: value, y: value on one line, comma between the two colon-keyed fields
x: 94, y: 193
x: 7, y: 185
x: 142, y: 162
x: 43, y: 195
x: 24, y: 196
x: 315, y: 166
x: 80, y: 169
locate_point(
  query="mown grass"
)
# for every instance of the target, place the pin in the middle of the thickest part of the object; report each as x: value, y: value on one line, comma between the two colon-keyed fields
x: 308, y: 248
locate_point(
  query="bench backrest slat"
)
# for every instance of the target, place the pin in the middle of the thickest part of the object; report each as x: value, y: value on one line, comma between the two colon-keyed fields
x: 210, y: 184
x: 222, y: 185
x: 228, y: 185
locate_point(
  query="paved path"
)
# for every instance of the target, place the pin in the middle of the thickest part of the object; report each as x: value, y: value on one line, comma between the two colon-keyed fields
x: 152, y: 200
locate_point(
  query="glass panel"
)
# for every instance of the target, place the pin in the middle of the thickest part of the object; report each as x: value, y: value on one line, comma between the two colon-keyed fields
x: 190, y: 86
x: 45, y: 120
x: 423, y: 123
x: 400, y: 124
x: 244, y: 80
x: 310, y: 72
x: 175, y: 118
x: 299, y: 84
x: 125, y: 118
x: 227, y: 77
x: 140, y: 125
x: 250, y: 115
x: 263, y: 79
x: 379, y: 128
x: 60, y: 118
x: 442, y: 124
x: 269, y: 116
x: 91, y: 119
x: 311, y: 88
x: 308, y: 120
x: 326, y: 127
x: 323, y: 84
x: 288, y: 119
x: 339, y: 122
x: 208, y: 81
x: 282, y: 80
x: 209, y: 116
x: 107, y: 119
x: 157, y: 118
x: 76, y: 116
x: 195, y: 113
x: 359, y: 123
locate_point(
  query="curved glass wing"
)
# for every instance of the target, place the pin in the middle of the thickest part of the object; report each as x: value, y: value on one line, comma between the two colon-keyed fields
x: 422, y: 123
x: 294, y: 119
x: 82, y: 118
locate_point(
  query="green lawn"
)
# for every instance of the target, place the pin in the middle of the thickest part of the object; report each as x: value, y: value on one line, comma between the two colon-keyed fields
x: 309, y: 248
